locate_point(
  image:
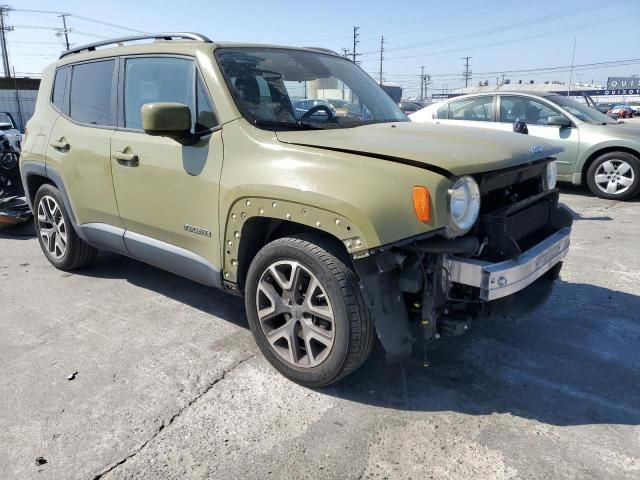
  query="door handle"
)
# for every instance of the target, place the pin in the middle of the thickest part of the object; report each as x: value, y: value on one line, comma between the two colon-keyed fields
x: 126, y: 159
x: 61, y: 145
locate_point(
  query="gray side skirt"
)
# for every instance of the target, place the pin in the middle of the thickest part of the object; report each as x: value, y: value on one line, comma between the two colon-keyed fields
x: 154, y: 252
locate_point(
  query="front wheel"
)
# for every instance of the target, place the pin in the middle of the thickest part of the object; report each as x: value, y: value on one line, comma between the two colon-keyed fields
x: 615, y: 176
x: 306, y: 311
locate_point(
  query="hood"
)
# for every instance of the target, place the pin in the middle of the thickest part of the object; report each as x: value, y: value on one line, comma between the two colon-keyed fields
x: 449, y: 150
x: 623, y: 129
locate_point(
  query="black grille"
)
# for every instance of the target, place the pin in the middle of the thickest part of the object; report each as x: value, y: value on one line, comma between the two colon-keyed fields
x: 527, y: 221
x: 513, y: 229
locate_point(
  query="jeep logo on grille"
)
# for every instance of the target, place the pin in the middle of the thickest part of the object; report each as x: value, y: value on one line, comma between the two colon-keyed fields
x: 198, y: 230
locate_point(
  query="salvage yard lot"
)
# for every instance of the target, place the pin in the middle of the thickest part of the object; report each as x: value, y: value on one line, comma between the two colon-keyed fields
x: 169, y: 382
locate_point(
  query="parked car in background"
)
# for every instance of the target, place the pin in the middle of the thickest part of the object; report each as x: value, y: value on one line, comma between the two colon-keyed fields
x: 410, y: 107
x: 635, y: 106
x: 598, y: 151
x: 622, y: 111
x: 333, y: 229
x: 313, y: 106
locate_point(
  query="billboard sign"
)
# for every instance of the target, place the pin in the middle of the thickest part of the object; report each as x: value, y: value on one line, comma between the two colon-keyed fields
x: 623, y: 83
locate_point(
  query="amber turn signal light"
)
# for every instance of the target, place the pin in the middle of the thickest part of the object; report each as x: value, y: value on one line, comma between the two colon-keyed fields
x: 422, y: 203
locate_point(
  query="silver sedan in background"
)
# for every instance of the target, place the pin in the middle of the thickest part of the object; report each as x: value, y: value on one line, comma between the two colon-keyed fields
x: 598, y: 151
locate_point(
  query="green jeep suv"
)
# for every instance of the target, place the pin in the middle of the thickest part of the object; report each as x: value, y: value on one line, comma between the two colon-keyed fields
x: 188, y: 154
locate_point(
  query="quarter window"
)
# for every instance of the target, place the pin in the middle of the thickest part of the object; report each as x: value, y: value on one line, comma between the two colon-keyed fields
x: 477, y: 109
x: 59, y: 88
x: 90, y: 97
x: 157, y: 79
x: 205, y: 117
x: 525, y: 109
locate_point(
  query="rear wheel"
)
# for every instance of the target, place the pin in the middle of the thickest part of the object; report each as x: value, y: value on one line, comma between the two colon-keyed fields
x: 615, y: 176
x: 306, y: 312
x: 59, y: 241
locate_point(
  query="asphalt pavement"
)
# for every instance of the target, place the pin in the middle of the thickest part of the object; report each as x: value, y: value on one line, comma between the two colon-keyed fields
x: 124, y: 371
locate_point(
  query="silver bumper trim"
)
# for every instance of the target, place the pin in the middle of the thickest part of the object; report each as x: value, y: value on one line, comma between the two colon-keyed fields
x: 498, y: 280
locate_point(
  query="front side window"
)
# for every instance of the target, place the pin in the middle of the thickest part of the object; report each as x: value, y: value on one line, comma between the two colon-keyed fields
x: 477, y: 109
x: 91, y: 93
x: 525, y: 109
x: 157, y: 79
x: 582, y: 111
x: 292, y: 89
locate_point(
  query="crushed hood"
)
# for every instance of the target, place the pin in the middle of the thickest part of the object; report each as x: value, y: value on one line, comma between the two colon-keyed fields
x: 445, y: 149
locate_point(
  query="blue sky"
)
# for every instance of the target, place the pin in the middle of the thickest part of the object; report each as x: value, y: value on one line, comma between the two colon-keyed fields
x: 499, y: 35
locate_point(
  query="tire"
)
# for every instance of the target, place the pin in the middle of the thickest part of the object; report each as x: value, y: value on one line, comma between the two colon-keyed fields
x: 352, y: 328
x: 614, y: 176
x: 76, y: 253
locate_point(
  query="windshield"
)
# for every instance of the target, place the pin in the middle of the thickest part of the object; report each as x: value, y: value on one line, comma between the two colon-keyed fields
x: 582, y: 111
x: 294, y: 89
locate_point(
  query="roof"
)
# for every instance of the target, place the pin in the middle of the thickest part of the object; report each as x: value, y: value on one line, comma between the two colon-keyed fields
x: 163, y: 43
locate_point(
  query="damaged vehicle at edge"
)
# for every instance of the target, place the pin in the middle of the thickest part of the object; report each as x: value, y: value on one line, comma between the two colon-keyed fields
x: 333, y: 228
x: 14, y: 208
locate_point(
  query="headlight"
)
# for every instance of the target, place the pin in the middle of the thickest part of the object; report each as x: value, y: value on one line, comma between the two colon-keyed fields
x: 464, y: 204
x: 551, y: 176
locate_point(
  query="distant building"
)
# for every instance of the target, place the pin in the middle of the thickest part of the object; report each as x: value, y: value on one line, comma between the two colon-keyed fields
x: 18, y: 97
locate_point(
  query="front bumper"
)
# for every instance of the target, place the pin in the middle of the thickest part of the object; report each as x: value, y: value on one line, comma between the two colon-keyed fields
x: 498, y: 280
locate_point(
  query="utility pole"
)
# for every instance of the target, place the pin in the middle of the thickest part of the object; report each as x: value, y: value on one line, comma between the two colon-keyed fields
x: 573, y: 58
x: 355, y: 43
x: 65, y: 31
x: 422, y: 83
x: 381, y: 56
x: 4, y: 9
x: 467, y: 73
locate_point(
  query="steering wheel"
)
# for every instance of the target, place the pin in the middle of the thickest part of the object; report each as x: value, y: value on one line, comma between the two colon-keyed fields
x: 316, y: 109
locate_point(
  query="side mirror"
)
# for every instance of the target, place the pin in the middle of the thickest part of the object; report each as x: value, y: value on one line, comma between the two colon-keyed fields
x: 168, y: 119
x: 559, y: 121
x: 520, y: 127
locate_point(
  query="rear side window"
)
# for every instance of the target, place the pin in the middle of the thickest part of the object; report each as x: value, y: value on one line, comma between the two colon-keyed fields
x: 90, y: 97
x: 476, y: 109
x: 59, y: 83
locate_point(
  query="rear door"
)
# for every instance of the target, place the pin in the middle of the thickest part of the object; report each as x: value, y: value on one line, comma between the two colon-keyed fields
x: 535, y: 113
x: 79, y: 147
x: 167, y: 191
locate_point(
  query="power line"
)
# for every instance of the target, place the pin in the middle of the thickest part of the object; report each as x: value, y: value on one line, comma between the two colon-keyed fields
x: 503, y: 28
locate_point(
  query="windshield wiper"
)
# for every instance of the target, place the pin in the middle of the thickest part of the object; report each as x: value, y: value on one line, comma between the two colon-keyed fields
x: 287, y: 125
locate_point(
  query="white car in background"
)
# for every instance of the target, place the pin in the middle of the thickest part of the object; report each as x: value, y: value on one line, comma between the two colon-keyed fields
x: 598, y: 151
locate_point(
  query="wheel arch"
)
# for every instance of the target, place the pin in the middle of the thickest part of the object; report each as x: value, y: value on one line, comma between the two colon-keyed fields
x: 254, y: 222
x: 601, y: 151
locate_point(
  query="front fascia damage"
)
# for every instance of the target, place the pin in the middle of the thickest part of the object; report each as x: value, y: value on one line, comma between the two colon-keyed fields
x: 407, y: 285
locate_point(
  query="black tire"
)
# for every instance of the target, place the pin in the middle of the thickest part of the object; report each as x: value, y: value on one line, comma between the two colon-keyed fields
x: 78, y: 253
x: 633, y: 189
x: 354, y: 331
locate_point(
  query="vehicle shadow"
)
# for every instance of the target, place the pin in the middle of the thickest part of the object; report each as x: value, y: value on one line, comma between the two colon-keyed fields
x: 583, y: 191
x: 22, y: 231
x: 574, y: 362
x: 206, y: 299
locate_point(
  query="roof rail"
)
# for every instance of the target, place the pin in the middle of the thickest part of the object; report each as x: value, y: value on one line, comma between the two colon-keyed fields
x: 324, y: 50
x: 151, y: 36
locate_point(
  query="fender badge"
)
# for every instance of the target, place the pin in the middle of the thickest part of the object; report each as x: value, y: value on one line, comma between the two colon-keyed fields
x: 198, y: 230
x: 535, y: 148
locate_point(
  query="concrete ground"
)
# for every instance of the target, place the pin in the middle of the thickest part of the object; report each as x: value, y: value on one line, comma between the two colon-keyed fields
x: 170, y: 385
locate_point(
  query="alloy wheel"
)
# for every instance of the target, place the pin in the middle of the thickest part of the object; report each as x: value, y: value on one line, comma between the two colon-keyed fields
x: 614, y: 177
x: 295, y: 314
x: 52, y: 227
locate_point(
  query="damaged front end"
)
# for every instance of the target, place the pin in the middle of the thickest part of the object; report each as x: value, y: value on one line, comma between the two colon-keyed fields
x: 14, y: 208
x: 505, y: 265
